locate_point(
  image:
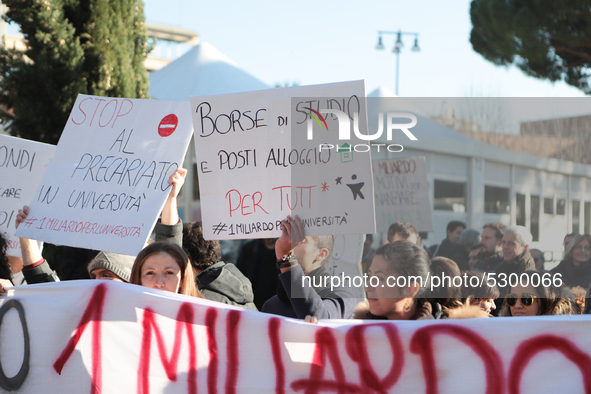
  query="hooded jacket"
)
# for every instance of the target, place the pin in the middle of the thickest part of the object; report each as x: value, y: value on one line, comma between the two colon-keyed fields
x: 225, y: 283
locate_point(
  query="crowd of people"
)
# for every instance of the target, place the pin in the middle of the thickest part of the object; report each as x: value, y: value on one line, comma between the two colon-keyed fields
x: 470, y: 274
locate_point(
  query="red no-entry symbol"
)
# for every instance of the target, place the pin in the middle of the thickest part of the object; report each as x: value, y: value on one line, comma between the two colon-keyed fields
x: 168, y: 125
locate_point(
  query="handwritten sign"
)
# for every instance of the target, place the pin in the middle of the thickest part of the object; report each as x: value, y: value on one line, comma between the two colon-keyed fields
x: 108, y: 180
x: 106, y: 337
x: 345, y: 260
x: 402, y: 193
x: 22, y: 164
x: 261, y: 156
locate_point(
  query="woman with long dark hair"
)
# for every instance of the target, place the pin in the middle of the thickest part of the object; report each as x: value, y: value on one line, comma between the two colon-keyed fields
x: 535, y: 299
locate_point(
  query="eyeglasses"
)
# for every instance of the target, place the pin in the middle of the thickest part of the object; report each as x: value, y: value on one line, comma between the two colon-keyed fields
x: 583, y: 248
x: 526, y: 299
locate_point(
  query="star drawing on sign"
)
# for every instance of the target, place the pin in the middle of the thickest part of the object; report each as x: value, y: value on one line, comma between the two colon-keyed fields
x: 324, y: 186
x: 356, y: 188
x: 338, y: 180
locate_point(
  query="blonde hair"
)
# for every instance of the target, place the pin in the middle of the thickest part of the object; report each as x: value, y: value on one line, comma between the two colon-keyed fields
x: 577, y: 239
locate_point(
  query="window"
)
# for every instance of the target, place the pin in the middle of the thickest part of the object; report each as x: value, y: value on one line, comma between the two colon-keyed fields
x: 450, y: 196
x: 560, y: 206
x: 496, y: 200
x: 534, y: 226
x: 520, y: 214
x: 576, y: 216
x: 549, y: 205
x: 587, y: 218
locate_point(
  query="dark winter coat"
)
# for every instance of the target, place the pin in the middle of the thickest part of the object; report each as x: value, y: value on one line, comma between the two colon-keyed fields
x: 296, y: 298
x: 581, y: 276
x: 445, y: 249
x: 487, y: 261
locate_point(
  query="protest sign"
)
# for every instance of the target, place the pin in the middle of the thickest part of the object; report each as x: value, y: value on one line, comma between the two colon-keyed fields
x: 402, y: 193
x: 109, y: 178
x: 22, y: 164
x: 261, y: 156
x: 345, y: 260
x: 107, y: 337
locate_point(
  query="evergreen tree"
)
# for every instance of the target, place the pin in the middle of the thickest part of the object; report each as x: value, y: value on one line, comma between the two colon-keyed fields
x: 545, y: 39
x: 94, y: 47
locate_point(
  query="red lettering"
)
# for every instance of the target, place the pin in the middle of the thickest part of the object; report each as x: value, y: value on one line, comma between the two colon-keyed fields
x: 212, y: 370
x: 232, y: 350
x: 357, y: 350
x: 256, y: 204
x: 229, y: 198
x: 326, y: 346
x: 245, y: 206
x: 103, y: 111
x: 119, y: 113
x: 422, y: 344
x: 96, y: 109
x: 184, y: 319
x: 84, y: 113
x: 281, y: 194
x: 273, y: 331
x: 302, y: 195
x: 94, y: 313
x: 529, y: 348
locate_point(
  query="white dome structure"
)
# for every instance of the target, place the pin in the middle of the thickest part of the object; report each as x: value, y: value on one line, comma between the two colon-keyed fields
x: 202, y: 71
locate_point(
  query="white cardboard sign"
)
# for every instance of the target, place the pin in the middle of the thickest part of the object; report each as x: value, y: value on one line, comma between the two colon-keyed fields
x: 402, y: 193
x: 256, y: 163
x: 108, y: 180
x: 22, y: 164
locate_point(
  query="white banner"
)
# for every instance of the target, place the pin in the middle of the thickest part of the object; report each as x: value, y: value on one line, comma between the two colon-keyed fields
x: 108, y: 180
x: 402, y: 193
x: 22, y: 164
x: 261, y: 156
x: 106, y: 337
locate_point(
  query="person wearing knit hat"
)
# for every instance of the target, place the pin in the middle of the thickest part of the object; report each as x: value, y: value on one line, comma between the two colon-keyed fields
x: 112, y: 266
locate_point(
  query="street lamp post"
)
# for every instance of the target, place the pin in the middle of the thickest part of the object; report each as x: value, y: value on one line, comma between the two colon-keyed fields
x: 397, y: 46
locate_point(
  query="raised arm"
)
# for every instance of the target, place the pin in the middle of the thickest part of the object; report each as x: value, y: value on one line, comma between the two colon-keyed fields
x: 170, y: 228
x: 35, y: 267
x: 29, y: 247
x: 170, y: 213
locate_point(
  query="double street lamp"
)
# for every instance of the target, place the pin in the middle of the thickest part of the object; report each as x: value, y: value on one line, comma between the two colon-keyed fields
x: 397, y: 46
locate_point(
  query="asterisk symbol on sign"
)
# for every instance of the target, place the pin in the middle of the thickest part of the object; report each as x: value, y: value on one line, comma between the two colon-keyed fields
x: 324, y: 186
x: 339, y: 180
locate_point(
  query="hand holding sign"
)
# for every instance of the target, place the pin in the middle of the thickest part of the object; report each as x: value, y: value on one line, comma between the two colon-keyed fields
x: 177, y: 180
x: 256, y: 165
x: 22, y: 164
x: 110, y: 176
x: 170, y: 214
x: 292, y: 234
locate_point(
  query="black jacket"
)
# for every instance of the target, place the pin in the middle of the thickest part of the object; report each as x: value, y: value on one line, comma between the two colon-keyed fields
x: 258, y: 264
x: 445, y: 249
x: 487, y: 261
x: 581, y: 276
x: 296, y: 298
